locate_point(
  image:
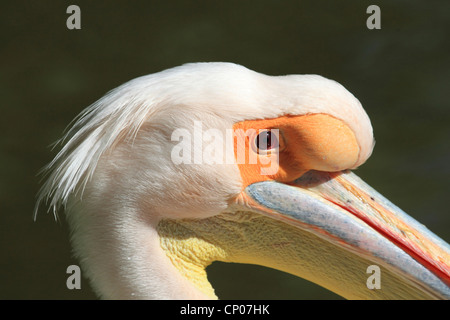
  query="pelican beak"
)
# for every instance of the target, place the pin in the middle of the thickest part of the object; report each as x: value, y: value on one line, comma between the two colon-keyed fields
x: 344, y: 210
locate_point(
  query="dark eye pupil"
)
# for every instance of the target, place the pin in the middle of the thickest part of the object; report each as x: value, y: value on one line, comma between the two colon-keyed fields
x: 265, y: 140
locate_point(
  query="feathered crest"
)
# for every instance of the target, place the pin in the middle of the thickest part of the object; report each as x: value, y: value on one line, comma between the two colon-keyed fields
x: 117, y: 115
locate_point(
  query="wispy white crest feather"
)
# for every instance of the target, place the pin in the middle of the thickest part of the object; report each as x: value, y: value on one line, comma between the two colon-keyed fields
x: 118, y: 115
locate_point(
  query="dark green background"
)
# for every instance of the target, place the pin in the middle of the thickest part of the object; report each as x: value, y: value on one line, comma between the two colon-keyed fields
x: 48, y: 74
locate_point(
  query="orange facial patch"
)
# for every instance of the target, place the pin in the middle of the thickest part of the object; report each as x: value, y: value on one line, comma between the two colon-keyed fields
x: 299, y: 144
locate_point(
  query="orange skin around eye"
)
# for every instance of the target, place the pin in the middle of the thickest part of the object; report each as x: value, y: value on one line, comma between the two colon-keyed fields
x: 308, y: 142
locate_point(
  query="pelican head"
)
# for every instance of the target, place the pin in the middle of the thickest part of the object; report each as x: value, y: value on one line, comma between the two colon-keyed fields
x: 215, y: 162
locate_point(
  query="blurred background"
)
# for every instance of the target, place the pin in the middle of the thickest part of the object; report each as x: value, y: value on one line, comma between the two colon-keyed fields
x: 48, y: 74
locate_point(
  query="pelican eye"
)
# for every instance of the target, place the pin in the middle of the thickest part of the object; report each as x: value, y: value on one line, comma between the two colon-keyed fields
x: 266, y: 140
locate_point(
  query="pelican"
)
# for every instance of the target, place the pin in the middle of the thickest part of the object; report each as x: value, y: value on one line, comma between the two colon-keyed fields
x: 208, y: 162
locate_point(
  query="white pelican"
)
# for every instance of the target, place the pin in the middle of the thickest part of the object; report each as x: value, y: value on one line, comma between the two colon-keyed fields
x: 147, y: 216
